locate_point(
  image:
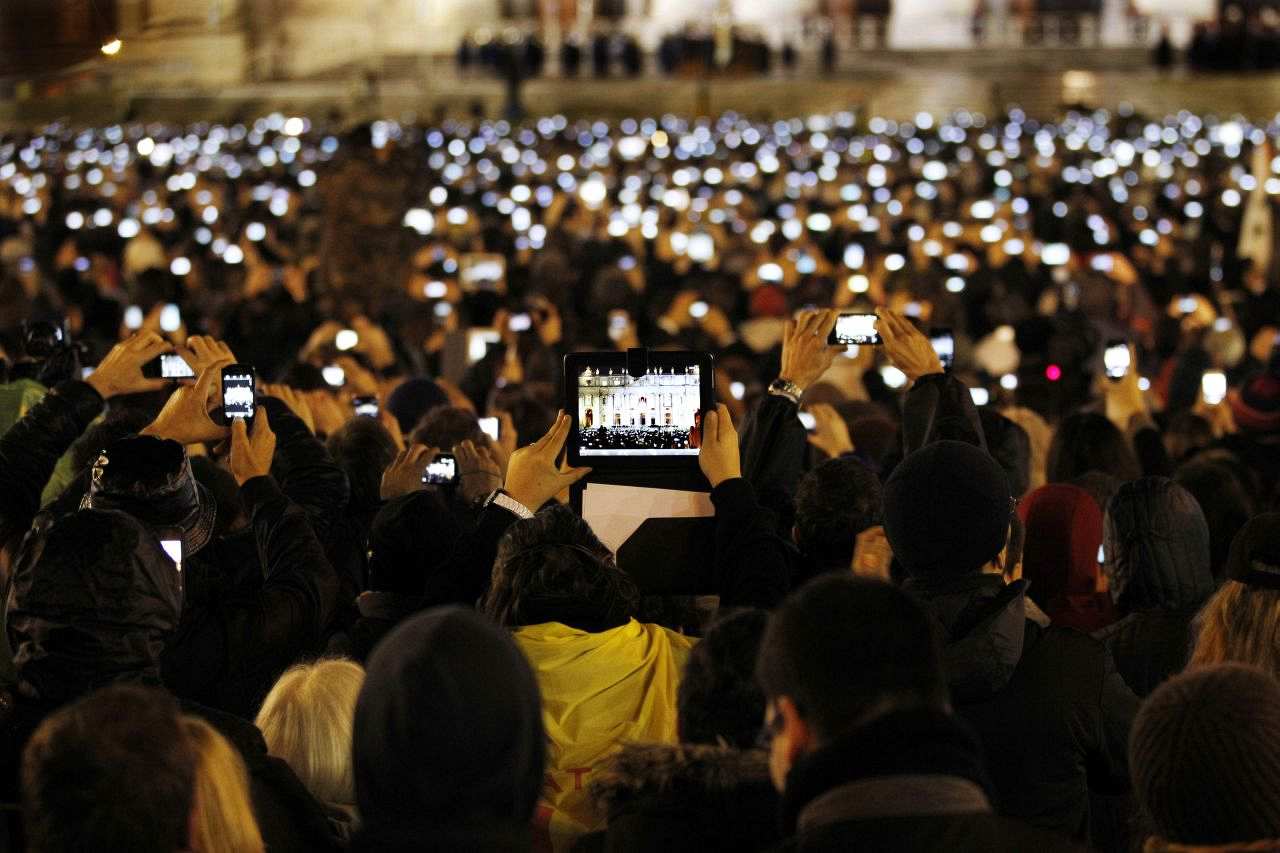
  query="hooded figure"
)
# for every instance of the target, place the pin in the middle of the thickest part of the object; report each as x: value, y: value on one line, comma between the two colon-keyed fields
x: 448, y: 748
x: 150, y: 478
x: 1156, y: 545
x: 94, y: 598
x: 1060, y: 558
x: 410, y: 550
x: 1052, y: 716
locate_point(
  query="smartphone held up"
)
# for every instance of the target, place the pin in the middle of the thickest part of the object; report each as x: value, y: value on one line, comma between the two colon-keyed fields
x: 239, y: 393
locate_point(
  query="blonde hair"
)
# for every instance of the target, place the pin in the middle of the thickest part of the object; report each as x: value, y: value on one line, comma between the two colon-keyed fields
x: 222, y: 817
x: 1240, y: 624
x: 307, y: 719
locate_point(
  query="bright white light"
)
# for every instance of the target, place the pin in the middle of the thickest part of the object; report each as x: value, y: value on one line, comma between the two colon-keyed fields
x: 1231, y: 133
x: 294, y: 126
x: 818, y: 222
x: 893, y: 377
x: 255, y: 231
x: 934, y: 171
x: 75, y: 220
x: 419, y: 220
x: 980, y: 396
x: 1055, y: 254
x: 334, y: 376
x: 306, y: 178
x: 955, y: 284
x: 233, y: 254
x: 102, y: 217
x: 128, y: 228
x: 1008, y: 382
x: 180, y: 266
x: 859, y: 283
x: 346, y: 339
x: 593, y: 191
x: 854, y: 256
x: 737, y: 390
x: 435, y: 289
x: 701, y: 248
x: 457, y: 216
x: 170, y: 318
x: 112, y: 47
x: 982, y: 210
x: 1144, y: 384
x: 991, y: 234
x: 769, y: 272
x: 894, y: 262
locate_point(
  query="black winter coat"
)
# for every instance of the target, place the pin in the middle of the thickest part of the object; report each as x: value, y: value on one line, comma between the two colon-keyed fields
x: 1158, y: 559
x: 1052, y: 714
x: 255, y: 600
x: 880, y: 788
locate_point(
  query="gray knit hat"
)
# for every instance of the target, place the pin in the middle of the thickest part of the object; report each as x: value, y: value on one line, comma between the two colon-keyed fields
x: 1205, y: 756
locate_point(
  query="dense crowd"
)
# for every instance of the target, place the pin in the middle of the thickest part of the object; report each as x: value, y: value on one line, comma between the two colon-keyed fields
x: 1027, y: 602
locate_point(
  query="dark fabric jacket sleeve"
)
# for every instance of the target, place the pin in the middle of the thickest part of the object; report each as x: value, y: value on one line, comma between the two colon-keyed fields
x: 773, y: 448
x: 269, y: 628
x: 469, y: 570
x: 31, y: 448
x: 307, y: 475
x: 939, y: 407
x: 752, y: 567
x: 1108, y: 765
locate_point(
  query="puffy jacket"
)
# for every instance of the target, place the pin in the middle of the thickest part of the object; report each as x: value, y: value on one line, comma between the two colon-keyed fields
x: 1156, y: 543
x: 30, y: 449
x: 1052, y: 714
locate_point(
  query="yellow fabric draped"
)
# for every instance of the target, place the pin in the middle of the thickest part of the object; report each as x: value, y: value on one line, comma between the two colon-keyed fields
x: 598, y: 690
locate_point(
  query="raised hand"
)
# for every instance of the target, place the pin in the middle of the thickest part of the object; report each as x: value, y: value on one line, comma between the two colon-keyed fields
x: 533, y: 477
x: 830, y: 433
x: 806, y: 355
x: 404, y: 474
x: 718, y: 456
x: 185, y: 416
x: 120, y: 372
x: 252, y: 452
x: 906, y: 347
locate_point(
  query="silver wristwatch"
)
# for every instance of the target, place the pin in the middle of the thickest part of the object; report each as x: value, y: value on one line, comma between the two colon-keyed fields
x: 510, y: 504
x: 786, y: 388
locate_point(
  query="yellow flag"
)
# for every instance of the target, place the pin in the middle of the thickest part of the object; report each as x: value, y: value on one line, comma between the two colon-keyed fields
x: 598, y: 690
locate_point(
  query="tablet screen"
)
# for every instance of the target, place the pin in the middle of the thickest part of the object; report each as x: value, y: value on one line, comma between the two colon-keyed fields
x: 657, y: 414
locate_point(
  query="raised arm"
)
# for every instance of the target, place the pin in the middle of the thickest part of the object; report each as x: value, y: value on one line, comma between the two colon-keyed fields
x: 31, y: 448
x: 937, y: 406
x: 751, y: 565
x: 773, y: 440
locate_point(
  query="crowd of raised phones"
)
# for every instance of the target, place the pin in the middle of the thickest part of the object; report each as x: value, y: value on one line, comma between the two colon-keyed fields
x: 1026, y: 599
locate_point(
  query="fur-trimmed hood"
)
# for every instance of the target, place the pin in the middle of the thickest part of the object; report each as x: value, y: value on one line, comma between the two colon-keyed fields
x: 677, y: 772
x: 685, y: 798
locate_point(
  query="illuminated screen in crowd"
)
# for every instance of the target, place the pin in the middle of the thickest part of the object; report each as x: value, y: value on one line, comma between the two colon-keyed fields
x: 655, y: 415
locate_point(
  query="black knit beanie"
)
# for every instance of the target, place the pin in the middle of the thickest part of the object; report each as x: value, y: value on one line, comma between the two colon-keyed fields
x: 1205, y: 756
x: 947, y: 509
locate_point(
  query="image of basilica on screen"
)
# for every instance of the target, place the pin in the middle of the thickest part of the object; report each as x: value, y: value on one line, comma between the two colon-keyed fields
x: 657, y: 414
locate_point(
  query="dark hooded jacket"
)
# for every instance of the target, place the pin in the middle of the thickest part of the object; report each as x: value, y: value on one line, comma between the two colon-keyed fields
x: 448, y: 747
x: 911, y: 781
x: 256, y: 599
x: 684, y: 797
x: 94, y: 600
x: 1052, y: 714
x: 1156, y: 543
x: 411, y: 551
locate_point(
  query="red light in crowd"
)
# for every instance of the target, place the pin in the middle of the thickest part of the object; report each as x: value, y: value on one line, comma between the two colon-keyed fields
x: 1053, y: 373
